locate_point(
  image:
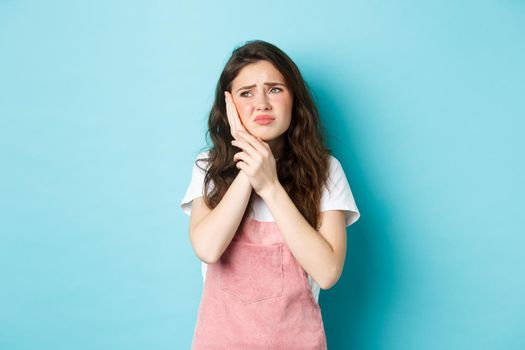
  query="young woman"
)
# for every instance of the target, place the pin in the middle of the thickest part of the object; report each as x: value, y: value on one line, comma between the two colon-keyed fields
x: 268, y: 209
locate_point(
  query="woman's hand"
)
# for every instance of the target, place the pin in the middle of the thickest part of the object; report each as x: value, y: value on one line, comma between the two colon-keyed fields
x: 233, y: 116
x: 257, y: 161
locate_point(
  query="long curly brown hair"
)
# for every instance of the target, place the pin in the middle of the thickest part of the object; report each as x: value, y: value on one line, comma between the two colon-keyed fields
x: 303, y: 166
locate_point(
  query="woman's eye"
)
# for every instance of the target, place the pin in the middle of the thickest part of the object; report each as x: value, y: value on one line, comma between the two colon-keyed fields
x: 273, y: 89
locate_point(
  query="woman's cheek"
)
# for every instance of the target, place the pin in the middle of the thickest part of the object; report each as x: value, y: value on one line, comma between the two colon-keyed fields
x: 244, y: 112
x: 244, y: 120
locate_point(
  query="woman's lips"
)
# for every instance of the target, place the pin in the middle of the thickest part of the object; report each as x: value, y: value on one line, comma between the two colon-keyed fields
x: 264, y: 119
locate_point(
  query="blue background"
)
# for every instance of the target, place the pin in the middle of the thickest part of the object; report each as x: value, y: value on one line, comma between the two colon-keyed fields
x: 103, y: 109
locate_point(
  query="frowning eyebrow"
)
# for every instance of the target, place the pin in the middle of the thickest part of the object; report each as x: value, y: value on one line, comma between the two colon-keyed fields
x: 267, y: 84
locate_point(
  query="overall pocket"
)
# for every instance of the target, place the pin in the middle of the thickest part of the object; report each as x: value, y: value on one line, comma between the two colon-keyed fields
x: 252, y: 272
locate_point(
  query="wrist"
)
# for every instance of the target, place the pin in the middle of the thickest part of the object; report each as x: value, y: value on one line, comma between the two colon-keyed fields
x: 243, y: 178
x: 269, y: 194
x: 242, y: 174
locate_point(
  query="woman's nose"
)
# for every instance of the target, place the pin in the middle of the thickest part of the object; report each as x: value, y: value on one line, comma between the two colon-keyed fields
x: 262, y: 102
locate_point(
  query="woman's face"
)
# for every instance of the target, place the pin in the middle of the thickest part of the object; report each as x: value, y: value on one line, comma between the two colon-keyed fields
x: 263, y: 100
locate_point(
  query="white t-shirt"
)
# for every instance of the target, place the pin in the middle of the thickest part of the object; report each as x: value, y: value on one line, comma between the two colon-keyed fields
x: 336, y: 195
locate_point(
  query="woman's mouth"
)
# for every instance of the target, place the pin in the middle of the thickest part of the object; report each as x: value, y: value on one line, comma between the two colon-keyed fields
x: 264, y: 119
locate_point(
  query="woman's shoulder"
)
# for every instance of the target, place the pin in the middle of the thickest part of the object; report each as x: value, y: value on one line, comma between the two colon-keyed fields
x: 202, y: 159
x: 203, y: 155
x: 336, y: 173
x: 332, y: 158
x: 335, y: 164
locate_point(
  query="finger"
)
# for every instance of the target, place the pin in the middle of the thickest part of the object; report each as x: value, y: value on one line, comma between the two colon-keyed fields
x: 241, y: 165
x: 242, y: 157
x: 234, y: 114
x: 264, y: 143
x: 256, y: 143
x: 231, y: 121
x: 242, y: 161
x: 230, y: 112
x: 245, y: 146
x: 251, y: 144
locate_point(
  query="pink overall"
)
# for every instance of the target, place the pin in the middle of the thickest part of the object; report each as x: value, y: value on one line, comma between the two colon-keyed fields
x: 256, y: 296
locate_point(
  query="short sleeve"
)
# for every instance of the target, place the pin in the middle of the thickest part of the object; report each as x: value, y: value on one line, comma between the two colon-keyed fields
x: 196, y: 187
x: 337, y: 194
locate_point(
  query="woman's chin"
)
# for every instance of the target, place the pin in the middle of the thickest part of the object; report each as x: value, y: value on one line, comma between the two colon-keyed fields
x: 263, y: 134
x: 258, y: 134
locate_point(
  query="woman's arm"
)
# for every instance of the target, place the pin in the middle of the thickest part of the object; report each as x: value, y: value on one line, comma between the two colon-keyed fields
x: 321, y: 254
x: 211, y: 230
